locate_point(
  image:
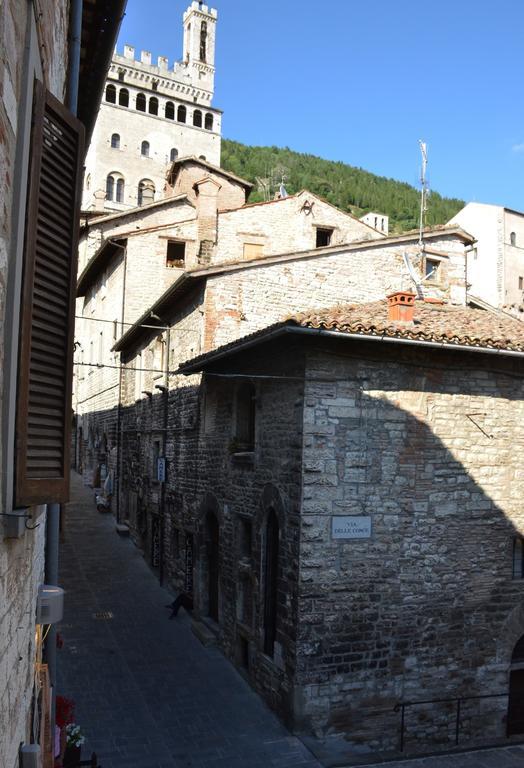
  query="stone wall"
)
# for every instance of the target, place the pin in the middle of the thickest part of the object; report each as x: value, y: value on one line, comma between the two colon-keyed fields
x: 244, y: 300
x: 424, y: 446
x: 284, y: 226
x: 28, y: 46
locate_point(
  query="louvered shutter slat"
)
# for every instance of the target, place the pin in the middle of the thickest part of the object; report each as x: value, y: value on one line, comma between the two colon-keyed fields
x: 45, y: 366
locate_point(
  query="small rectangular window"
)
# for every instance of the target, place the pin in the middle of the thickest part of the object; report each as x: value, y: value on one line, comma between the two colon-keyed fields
x: 253, y: 250
x: 432, y: 269
x: 324, y: 236
x: 176, y: 254
x: 115, y: 330
x: 245, y: 532
x: 518, y: 557
x: 521, y: 283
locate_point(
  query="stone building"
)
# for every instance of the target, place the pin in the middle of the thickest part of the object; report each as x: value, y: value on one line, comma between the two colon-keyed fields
x: 128, y: 259
x: 150, y: 115
x: 207, y: 307
x: 44, y: 81
x: 378, y: 221
x: 356, y: 533
x: 495, y: 265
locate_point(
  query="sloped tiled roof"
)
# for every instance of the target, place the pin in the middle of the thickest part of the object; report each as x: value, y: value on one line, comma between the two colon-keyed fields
x: 442, y: 324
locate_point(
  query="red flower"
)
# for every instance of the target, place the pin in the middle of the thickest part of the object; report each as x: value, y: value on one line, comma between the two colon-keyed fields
x: 65, y: 711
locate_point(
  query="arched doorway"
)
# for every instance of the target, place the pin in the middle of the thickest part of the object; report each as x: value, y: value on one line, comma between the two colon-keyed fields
x: 516, y: 690
x: 213, y: 568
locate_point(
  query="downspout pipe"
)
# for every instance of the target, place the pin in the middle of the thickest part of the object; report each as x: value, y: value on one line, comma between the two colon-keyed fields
x: 75, y: 42
x: 52, y: 542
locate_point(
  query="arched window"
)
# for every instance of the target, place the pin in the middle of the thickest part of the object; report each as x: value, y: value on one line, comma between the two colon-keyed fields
x: 141, y: 102
x: 153, y: 105
x: 115, y: 187
x: 120, y: 190
x: 88, y: 181
x: 111, y: 94
x: 144, y: 149
x: 197, y: 118
x: 115, y: 141
x: 209, y: 121
x: 513, y: 238
x: 146, y: 192
x: 110, y: 187
x: 123, y: 97
x: 271, y: 582
x: 170, y: 110
x: 203, y: 41
x: 181, y: 114
x: 173, y: 154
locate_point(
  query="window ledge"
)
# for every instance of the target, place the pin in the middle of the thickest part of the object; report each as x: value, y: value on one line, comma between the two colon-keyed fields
x: 243, y: 457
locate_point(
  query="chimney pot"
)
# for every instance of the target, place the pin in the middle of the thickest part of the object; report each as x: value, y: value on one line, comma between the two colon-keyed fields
x: 401, y: 306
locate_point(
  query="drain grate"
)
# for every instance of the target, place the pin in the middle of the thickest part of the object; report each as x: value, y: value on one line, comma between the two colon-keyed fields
x: 103, y: 615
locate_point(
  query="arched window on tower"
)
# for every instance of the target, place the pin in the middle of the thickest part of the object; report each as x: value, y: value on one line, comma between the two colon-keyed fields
x: 209, y: 121
x: 270, y: 583
x: 146, y: 192
x: 111, y: 94
x: 123, y: 97
x: 170, y: 110
x: 141, y: 102
x: 181, y: 115
x: 144, y: 149
x: 120, y: 190
x: 513, y: 238
x: 110, y: 187
x: 173, y: 154
x: 203, y: 41
x: 115, y: 141
x: 115, y: 187
x: 153, y: 105
x: 197, y: 118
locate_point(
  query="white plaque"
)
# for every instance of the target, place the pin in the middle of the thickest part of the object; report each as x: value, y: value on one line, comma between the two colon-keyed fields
x: 350, y: 527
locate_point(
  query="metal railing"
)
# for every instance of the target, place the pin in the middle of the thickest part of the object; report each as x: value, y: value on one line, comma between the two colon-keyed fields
x: 401, y: 707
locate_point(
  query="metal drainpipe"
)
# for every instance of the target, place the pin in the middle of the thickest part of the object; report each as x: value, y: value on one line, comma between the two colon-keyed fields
x: 53, y: 510
x: 163, y: 489
x: 119, y: 450
x: 75, y: 40
x: 51, y: 577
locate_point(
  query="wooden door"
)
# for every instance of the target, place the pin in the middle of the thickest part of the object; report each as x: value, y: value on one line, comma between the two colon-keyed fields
x: 213, y: 566
x: 516, y: 702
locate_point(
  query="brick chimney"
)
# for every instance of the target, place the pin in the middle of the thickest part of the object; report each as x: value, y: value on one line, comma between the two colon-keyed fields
x: 401, y: 307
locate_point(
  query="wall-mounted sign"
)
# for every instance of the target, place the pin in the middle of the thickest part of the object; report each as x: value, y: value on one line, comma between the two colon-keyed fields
x: 161, y: 469
x: 350, y: 527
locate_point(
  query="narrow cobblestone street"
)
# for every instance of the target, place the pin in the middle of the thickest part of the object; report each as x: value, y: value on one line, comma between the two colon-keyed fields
x: 147, y: 693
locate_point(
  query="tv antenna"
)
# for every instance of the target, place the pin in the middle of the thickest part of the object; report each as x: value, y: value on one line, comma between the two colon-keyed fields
x: 423, y: 191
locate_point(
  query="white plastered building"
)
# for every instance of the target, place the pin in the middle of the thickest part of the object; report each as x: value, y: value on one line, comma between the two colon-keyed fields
x: 150, y: 115
x: 495, y: 264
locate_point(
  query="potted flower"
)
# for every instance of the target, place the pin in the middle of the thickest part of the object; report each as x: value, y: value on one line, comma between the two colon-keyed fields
x: 74, y: 740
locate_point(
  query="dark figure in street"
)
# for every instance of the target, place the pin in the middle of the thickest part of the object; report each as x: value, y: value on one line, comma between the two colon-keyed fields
x: 184, y: 600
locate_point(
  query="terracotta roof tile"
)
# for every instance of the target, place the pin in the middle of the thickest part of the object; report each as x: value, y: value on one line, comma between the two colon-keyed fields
x: 437, y: 323
x: 432, y: 322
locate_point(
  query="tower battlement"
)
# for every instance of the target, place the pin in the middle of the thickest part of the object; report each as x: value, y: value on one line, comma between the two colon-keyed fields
x: 195, y: 6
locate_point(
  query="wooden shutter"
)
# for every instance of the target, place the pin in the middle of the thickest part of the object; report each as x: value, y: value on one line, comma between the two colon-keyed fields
x: 47, y: 308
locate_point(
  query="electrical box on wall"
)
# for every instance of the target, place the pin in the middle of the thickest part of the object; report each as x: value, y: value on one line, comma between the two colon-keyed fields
x: 30, y: 754
x: 49, y: 604
x: 14, y: 523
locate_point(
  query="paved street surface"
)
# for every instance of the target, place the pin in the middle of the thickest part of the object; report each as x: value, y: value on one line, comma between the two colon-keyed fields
x: 147, y: 693
x: 502, y: 757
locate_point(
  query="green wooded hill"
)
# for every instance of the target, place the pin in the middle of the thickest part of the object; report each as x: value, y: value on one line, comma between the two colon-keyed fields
x: 349, y: 188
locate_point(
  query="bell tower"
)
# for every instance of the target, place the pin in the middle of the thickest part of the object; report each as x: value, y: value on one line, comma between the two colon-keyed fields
x: 199, y: 45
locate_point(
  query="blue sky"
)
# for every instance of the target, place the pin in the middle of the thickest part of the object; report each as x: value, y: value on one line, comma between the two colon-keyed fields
x: 362, y: 82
